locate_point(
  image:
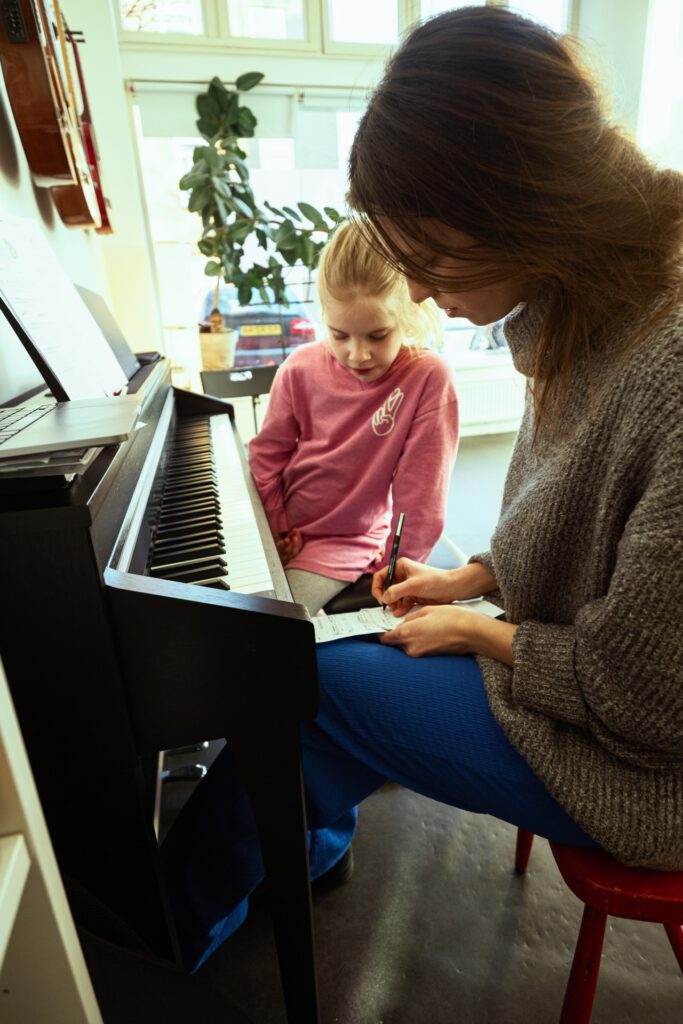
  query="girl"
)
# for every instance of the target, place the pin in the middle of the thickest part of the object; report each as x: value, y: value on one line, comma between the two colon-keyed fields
x: 360, y: 427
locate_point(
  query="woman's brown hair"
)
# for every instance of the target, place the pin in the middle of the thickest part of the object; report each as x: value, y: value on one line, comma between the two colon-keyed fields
x: 488, y: 122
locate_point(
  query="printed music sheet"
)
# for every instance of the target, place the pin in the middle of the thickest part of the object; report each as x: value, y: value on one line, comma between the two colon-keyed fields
x: 380, y: 619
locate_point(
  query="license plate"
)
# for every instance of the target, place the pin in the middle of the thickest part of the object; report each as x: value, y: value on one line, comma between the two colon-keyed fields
x: 260, y: 330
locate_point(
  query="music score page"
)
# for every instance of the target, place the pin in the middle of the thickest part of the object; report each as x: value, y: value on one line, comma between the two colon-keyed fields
x: 379, y: 620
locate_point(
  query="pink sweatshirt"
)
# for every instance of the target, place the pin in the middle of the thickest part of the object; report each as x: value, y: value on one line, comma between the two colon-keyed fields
x: 336, y: 455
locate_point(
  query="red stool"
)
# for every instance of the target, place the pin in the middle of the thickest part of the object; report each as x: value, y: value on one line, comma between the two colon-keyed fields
x: 607, y: 887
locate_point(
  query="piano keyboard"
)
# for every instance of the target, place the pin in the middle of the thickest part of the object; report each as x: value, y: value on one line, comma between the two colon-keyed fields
x: 205, y: 500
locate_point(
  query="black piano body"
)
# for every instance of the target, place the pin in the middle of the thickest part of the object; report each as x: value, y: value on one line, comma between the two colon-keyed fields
x: 109, y: 665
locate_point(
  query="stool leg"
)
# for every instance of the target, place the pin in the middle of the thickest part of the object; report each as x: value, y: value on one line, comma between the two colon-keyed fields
x: 583, y: 978
x: 523, y: 850
x: 675, y: 933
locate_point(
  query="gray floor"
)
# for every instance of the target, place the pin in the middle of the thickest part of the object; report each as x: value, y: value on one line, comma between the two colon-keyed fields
x: 435, y: 926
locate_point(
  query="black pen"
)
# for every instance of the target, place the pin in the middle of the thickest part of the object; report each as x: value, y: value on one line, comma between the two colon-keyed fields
x: 394, y: 550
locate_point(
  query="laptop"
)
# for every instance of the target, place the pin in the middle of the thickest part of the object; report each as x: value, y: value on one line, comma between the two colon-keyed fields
x: 33, y: 428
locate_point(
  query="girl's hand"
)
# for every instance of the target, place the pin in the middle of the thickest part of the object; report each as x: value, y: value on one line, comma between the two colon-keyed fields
x: 289, y: 545
x: 415, y: 583
x: 451, y: 630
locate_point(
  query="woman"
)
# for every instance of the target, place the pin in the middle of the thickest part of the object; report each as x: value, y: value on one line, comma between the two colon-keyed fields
x: 487, y: 171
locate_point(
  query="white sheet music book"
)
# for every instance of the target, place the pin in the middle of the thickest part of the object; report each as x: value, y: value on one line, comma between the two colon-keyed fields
x: 380, y: 619
x: 57, y: 321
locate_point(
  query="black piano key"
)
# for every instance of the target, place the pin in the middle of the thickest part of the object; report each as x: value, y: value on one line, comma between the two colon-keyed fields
x: 176, y: 532
x: 198, y: 514
x: 214, y: 570
x: 171, y: 546
x: 184, y: 557
x: 209, y: 506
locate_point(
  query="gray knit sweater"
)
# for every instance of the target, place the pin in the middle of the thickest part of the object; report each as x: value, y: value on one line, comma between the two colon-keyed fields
x: 588, y: 554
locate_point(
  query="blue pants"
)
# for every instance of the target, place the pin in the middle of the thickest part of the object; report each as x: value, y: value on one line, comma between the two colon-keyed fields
x: 424, y: 723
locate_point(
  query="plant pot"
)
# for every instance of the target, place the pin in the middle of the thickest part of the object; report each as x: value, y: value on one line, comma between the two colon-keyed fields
x: 218, y: 350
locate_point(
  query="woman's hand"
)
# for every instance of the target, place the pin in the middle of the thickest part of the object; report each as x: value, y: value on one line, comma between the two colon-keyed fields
x: 289, y: 545
x: 447, y: 629
x: 415, y: 583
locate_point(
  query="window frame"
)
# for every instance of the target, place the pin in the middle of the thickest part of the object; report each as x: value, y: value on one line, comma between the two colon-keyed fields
x: 316, y: 43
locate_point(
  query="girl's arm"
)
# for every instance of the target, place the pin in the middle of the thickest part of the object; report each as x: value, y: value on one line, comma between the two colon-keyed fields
x: 271, y: 450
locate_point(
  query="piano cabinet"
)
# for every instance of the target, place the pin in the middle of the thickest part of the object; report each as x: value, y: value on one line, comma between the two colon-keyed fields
x: 108, y: 665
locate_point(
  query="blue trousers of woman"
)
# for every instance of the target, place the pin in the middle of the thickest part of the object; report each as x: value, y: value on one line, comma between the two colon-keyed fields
x: 424, y: 723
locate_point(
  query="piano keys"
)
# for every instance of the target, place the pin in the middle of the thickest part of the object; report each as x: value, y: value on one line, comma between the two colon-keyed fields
x: 145, y: 609
x: 204, y: 499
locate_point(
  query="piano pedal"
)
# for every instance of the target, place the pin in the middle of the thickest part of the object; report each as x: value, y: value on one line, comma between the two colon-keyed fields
x: 185, y: 773
x: 192, y: 749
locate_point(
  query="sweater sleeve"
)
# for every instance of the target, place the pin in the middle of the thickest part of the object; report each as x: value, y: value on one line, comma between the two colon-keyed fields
x: 617, y: 670
x: 272, y: 448
x: 420, y: 482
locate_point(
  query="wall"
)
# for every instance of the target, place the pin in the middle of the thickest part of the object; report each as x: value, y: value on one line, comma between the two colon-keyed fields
x: 615, y: 32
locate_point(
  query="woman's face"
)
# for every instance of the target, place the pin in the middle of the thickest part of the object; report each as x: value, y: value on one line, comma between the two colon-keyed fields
x: 480, y: 306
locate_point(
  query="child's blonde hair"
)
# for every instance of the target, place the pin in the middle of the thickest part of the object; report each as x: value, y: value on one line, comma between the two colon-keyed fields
x: 348, y: 267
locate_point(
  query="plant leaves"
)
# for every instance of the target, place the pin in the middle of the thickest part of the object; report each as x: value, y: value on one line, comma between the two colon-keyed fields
x: 199, y: 197
x: 193, y: 178
x: 332, y: 213
x: 219, y: 96
x: 207, y: 107
x: 312, y: 214
x: 248, y: 80
x: 291, y: 213
x: 273, y: 209
x: 213, y: 269
x: 241, y: 207
x: 246, y: 122
x: 244, y: 294
x: 285, y: 236
x: 214, y: 160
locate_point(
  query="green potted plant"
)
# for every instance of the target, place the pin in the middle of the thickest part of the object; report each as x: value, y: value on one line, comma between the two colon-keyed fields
x: 221, y: 194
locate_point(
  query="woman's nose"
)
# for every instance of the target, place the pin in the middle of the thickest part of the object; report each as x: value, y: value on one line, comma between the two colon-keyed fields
x: 418, y: 292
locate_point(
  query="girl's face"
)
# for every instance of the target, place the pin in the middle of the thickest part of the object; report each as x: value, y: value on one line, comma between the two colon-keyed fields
x: 363, y: 334
x: 480, y: 306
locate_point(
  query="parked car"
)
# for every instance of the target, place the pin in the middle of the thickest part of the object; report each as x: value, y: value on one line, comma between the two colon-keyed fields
x: 266, y: 333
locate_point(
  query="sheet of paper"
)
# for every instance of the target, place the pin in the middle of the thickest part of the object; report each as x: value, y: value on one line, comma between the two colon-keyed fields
x: 379, y: 620
x: 53, y: 314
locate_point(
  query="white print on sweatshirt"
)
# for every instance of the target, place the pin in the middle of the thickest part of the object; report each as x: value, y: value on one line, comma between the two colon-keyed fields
x: 385, y: 417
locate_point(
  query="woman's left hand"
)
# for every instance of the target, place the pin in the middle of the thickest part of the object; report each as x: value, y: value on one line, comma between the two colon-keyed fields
x: 447, y: 629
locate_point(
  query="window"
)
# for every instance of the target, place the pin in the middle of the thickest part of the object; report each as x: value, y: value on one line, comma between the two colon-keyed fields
x: 267, y: 19
x: 554, y: 14
x: 357, y: 21
x: 182, y: 16
x: 430, y: 7
x: 300, y: 153
x: 660, y: 118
